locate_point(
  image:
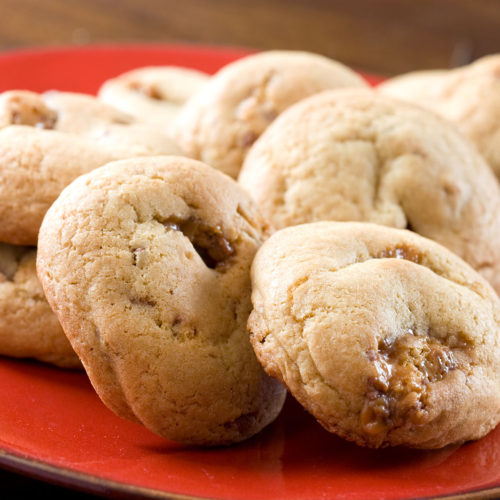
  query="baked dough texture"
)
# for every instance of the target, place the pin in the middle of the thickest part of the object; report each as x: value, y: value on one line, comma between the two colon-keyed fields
x: 28, y: 327
x: 146, y: 263
x: 467, y: 96
x: 355, y: 155
x: 220, y: 122
x: 386, y: 337
x: 153, y: 93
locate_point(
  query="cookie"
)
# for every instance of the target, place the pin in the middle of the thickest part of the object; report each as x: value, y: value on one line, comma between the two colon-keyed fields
x: 355, y: 155
x: 146, y: 264
x: 37, y: 163
x: 386, y: 337
x: 154, y: 93
x: 468, y: 96
x: 28, y: 327
x: 86, y: 116
x: 221, y: 122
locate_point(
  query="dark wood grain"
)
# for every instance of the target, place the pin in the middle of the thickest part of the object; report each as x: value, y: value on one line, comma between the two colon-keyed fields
x: 385, y: 36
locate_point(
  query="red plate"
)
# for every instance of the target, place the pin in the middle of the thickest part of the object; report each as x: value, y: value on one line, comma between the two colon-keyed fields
x: 53, y: 426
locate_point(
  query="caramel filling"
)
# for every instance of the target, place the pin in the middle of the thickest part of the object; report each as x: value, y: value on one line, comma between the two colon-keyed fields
x: 404, y: 368
x: 30, y: 111
x: 153, y: 91
x: 209, y: 242
x: 401, y: 252
x: 148, y: 89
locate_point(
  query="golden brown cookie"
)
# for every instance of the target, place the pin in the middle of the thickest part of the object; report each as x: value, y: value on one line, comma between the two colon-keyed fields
x: 146, y: 264
x: 386, y: 337
x: 28, y: 327
x: 153, y: 93
x: 220, y: 122
x: 355, y: 155
x: 468, y: 96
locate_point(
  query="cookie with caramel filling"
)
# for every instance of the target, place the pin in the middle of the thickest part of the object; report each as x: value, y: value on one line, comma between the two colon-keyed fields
x: 146, y: 263
x: 386, y: 337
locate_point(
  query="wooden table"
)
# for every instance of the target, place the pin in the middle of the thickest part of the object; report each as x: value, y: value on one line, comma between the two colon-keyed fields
x: 382, y: 36
x: 379, y: 36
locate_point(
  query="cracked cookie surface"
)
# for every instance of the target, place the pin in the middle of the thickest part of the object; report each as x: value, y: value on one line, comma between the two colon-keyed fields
x: 354, y: 155
x: 386, y: 337
x: 28, y: 327
x: 146, y: 264
x: 221, y: 122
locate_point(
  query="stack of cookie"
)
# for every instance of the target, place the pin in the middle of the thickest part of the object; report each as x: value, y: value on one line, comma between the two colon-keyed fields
x: 216, y: 120
x: 374, y: 302
x: 379, y: 333
x: 46, y: 141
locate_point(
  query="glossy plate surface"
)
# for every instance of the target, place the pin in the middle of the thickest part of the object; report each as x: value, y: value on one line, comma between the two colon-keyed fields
x: 53, y: 425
